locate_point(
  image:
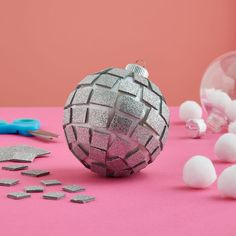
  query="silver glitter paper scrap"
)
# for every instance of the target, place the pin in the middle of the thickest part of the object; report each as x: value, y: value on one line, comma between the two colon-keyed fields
x: 15, y: 167
x: 8, y: 182
x: 35, y: 173
x: 23, y: 157
x: 50, y: 182
x: 34, y: 189
x: 72, y: 188
x: 53, y: 195
x: 18, y: 195
x: 82, y: 198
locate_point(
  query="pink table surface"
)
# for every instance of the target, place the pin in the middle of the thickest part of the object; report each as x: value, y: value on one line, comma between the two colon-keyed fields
x: 153, y: 202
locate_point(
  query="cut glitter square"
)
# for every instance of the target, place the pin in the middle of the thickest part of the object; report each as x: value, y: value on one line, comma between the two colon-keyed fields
x: 18, y: 195
x: 15, y: 167
x: 53, y: 195
x: 35, y: 173
x: 50, y: 182
x: 82, y: 198
x: 34, y: 189
x: 8, y: 182
x: 72, y: 188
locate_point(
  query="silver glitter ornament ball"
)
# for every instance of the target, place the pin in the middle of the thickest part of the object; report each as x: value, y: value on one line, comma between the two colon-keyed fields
x: 116, y: 121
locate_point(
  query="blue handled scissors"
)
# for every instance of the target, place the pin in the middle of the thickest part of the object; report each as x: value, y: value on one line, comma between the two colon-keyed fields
x: 26, y: 127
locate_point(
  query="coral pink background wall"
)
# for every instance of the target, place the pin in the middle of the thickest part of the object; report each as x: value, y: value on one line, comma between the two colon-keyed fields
x: 47, y: 46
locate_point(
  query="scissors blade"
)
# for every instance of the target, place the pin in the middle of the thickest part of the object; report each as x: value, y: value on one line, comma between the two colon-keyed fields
x: 45, y: 133
x: 41, y: 136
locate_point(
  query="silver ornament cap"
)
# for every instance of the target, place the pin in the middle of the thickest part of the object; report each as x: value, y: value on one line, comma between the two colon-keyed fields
x: 137, y: 69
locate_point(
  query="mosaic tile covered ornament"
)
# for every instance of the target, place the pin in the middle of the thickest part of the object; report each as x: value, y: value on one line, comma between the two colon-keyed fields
x: 116, y: 121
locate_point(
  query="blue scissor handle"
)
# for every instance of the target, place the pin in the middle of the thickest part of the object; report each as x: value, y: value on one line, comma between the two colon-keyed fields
x: 21, y: 126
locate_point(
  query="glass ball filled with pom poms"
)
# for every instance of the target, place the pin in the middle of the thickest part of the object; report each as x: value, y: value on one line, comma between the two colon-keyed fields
x: 116, y: 121
x: 218, y: 90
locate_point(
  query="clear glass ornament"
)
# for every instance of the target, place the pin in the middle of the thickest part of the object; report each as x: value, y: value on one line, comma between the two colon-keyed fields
x: 218, y: 89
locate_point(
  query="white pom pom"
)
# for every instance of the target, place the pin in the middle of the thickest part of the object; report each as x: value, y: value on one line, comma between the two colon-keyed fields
x: 231, y: 110
x: 225, y: 147
x: 190, y: 110
x: 227, y: 182
x: 199, y: 172
x: 218, y: 98
x: 232, y: 127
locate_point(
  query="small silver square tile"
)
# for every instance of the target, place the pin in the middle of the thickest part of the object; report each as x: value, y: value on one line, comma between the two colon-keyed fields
x: 82, y: 198
x: 35, y: 173
x: 34, y: 189
x: 53, y: 195
x: 72, y: 188
x: 8, y: 182
x: 15, y: 167
x: 50, y: 182
x: 18, y: 195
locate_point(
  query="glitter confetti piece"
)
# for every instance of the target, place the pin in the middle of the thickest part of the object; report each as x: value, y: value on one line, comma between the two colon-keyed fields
x: 34, y: 189
x: 18, y: 195
x: 8, y: 182
x: 15, y: 167
x: 82, y: 198
x: 51, y: 182
x: 72, y: 188
x: 53, y: 195
x: 35, y: 173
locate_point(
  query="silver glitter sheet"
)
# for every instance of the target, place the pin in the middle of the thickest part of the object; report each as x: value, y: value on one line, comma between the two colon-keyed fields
x: 70, y: 134
x: 97, y: 155
x: 120, y: 124
x: 107, y: 80
x: 98, y: 118
x: 88, y: 79
x: 34, y: 189
x: 119, y: 72
x: 82, y: 134
x: 129, y: 87
x: 66, y: 116
x: 155, y: 121
x: 35, y: 173
x: 151, y: 98
x: 116, y: 164
x: 82, y: 95
x: 103, y: 96
x: 82, y: 198
x: 8, y: 182
x: 152, y: 145
x: 100, y: 140
x: 18, y: 195
x: 68, y: 101
x: 79, y: 114
x: 119, y: 148
x: 15, y: 167
x: 135, y: 159
x: 141, y: 135
x: 7, y: 153
x: 53, y: 195
x: 50, y: 182
x: 140, y: 79
x: 155, y: 89
x: 130, y: 106
x: 23, y: 157
x: 72, y: 188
